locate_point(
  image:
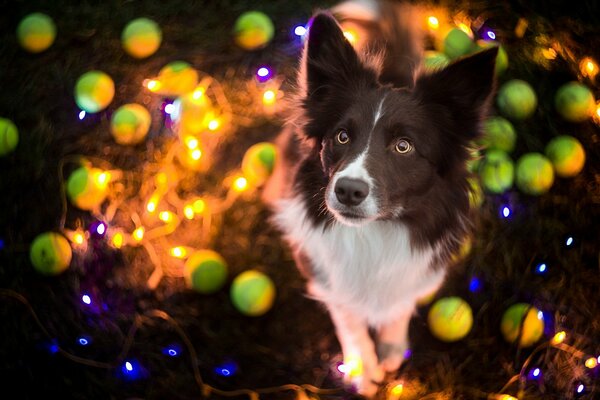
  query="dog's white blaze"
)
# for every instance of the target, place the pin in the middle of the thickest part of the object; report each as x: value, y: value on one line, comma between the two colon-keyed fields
x: 371, y: 269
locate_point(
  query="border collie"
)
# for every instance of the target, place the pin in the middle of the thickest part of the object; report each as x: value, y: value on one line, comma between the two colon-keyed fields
x: 370, y: 187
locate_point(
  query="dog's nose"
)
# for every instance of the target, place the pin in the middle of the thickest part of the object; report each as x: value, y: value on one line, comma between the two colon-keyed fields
x: 351, y: 192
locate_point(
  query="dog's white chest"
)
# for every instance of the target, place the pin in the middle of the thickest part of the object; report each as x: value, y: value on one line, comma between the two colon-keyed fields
x: 371, y: 269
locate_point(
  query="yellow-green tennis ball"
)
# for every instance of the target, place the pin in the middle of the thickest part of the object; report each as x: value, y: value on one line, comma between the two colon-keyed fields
x: 450, y: 319
x: 87, y: 187
x: 36, y: 32
x: 497, y: 171
x: 9, y: 136
x: 130, y: 123
x: 457, y: 43
x: 206, y: 271
x: 534, y: 174
x: 94, y: 91
x: 525, y: 318
x: 516, y: 99
x: 141, y: 37
x: 50, y: 253
x: 566, y: 155
x: 433, y: 60
x: 252, y: 293
x: 498, y: 133
x: 258, y: 162
x: 575, y: 102
x: 177, y: 78
x: 253, y: 30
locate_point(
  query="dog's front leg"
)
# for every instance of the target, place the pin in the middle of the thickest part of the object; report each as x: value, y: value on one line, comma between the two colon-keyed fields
x: 392, y: 341
x: 358, y: 349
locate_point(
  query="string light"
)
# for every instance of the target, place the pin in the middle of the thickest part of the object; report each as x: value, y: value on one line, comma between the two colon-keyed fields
x: 541, y: 268
x: 352, y: 366
x: 474, y: 284
x: 117, y: 240
x: 559, y: 338
x: 169, y: 108
x: 263, y: 74
x: 214, y: 124
x: 240, y: 184
x: 178, y: 252
x: 86, y: 299
x: 491, y: 35
x: 569, y: 241
x: 580, y: 388
x: 83, y: 341
x: 165, y: 216
x: 433, y: 22
x: 591, y: 362
x: 506, y: 211
x: 188, y: 211
x: 152, y: 85
x: 191, y: 142
x: 350, y: 36
x: 81, y: 115
x: 588, y: 67
x: 196, y: 154
x: 269, y: 97
x: 138, y: 234
x: 300, y: 30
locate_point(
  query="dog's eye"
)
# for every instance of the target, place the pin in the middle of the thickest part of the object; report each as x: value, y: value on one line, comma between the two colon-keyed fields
x: 342, y: 136
x: 403, y: 146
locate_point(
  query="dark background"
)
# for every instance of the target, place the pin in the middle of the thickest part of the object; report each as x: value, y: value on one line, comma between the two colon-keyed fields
x: 294, y: 341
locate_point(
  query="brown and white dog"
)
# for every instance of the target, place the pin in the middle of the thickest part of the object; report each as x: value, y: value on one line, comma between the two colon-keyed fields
x: 370, y: 188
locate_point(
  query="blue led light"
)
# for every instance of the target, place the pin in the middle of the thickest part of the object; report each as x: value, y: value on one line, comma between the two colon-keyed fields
x: 569, y: 241
x: 86, y: 299
x: 226, y: 369
x: 506, y: 212
x: 83, y: 341
x: 2, y: 244
x: 580, y: 388
x: 491, y: 35
x: 541, y: 268
x: 300, y: 30
x: 474, y: 284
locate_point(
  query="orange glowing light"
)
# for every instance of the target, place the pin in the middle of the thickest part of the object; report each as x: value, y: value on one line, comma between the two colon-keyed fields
x: 350, y: 36
x: 198, y: 93
x: 196, y: 154
x: 549, y: 53
x: 199, y: 206
x: 151, y: 206
x: 352, y: 366
x: 433, y: 22
x: 153, y: 85
x: 78, y: 238
x: 102, y: 179
x: 591, y: 362
x: 269, y: 97
x: 588, y: 67
x: 559, y: 337
x: 188, y: 211
x: 165, y: 216
x: 178, y: 252
x: 507, y: 397
x: 215, y: 124
x: 240, y: 184
x: 117, y: 240
x: 138, y: 234
x: 397, y: 390
x: 191, y: 142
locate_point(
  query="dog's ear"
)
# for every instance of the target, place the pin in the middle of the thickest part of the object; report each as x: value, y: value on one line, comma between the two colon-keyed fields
x: 331, y: 72
x: 461, y: 91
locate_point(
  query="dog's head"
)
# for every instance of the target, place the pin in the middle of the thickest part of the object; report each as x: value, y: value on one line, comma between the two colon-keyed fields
x: 382, y: 148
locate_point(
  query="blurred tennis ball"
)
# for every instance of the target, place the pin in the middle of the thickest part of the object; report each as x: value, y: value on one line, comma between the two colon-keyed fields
x: 450, y: 319
x: 94, y: 91
x: 496, y: 171
x: 566, y: 155
x: 87, y: 187
x: 50, y: 253
x: 141, y: 37
x: 252, y: 293
x: 206, y: 271
x: 9, y: 136
x: 130, y: 123
x: 523, y: 318
x: 253, y: 30
x: 575, y: 102
x: 258, y: 162
x: 534, y: 174
x: 36, y: 32
x: 516, y: 99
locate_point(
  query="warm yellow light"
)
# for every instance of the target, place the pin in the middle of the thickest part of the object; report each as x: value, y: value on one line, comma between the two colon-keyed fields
x: 178, y: 252
x: 78, y: 238
x: 151, y: 206
x: 102, y: 179
x: 588, y: 67
x: 138, y: 234
x: 240, y: 184
x: 196, y: 154
x: 198, y: 93
x: 397, y: 390
x: 433, y: 22
x: 165, y: 216
x: 507, y: 397
x: 191, y: 142
x: 466, y: 29
x: 269, y: 97
x: 117, y: 240
x: 549, y: 53
x: 591, y: 362
x: 199, y: 206
x: 598, y: 110
x: 188, y: 211
x: 559, y: 337
x: 352, y: 366
x: 350, y: 36
x: 153, y: 85
x: 214, y: 125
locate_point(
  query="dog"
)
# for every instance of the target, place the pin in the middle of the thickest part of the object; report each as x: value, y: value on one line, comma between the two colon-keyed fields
x: 370, y: 187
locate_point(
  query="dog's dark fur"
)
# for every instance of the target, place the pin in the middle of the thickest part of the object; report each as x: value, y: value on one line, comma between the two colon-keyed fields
x: 370, y: 257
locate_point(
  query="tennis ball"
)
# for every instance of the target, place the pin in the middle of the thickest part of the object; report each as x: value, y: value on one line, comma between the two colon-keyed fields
x: 36, y: 32
x: 9, y: 136
x: 457, y: 43
x: 575, y: 102
x: 525, y: 318
x: 501, y: 58
x: 566, y: 155
x: 252, y: 293
x: 50, y: 253
x: 516, y: 99
x: 141, y: 37
x: 450, y: 319
x: 176, y: 79
x: 498, y: 134
x: 192, y: 112
x: 87, y: 187
x: 253, y: 30
x: 130, y: 124
x: 94, y: 91
x: 205, y: 271
x: 534, y: 174
x: 496, y: 171
x: 433, y: 60
x: 258, y: 162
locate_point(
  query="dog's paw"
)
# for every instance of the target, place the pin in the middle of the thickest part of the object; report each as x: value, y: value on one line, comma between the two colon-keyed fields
x: 362, y: 378
x: 391, y: 355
